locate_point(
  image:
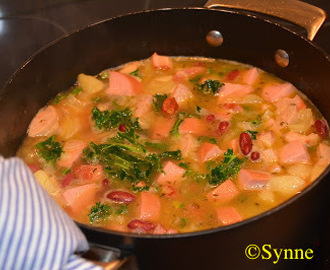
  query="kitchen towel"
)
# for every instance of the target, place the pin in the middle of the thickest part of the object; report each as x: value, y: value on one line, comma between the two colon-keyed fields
x: 35, y: 233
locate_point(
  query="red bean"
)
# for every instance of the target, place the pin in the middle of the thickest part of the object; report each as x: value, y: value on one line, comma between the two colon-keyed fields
x: 122, y: 128
x: 170, y: 106
x: 210, y: 117
x: 121, y: 196
x: 223, y: 126
x: 255, y: 156
x: 321, y: 128
x: 105, y: 182
x: 245, y: 143
x: 138, y: 224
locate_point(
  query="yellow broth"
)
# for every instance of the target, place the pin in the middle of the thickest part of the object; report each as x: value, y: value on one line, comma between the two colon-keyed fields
x: 264, y: 177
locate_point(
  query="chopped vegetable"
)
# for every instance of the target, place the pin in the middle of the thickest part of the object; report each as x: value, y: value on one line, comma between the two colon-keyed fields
x: 106, y: 120
x: 175, y: 129
x: 198, y: 109
x: 229, y: 167
x: 253, y: 134
x: 158, y: 101
x: 49, y: 150
x: 210, y: 87
x: 207, y: 139
x: 103, y: 76
x: 99, y: 212
x: 257, y: 121
x: 61, y: 96
x: 135, y: 73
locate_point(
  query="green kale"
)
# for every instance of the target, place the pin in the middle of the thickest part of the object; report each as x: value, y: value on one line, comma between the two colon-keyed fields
x: 157, y: 146
x: 97, y: 100
x: 171, y: 155
x: 257, y: 121
x: 108, y: 119
x: 210, y: 87
x: 66, y: 171
x: 158, y: 101
x: 49, y: 150
x: 136, y: 73
x: 103, y: 76
x: 207, y: 139
x: 121, y: 209
x: 253, y: 134
x: 61, y: 96
x: 198, y: 109
x: 228, y: 168
x: 140, y: 189
x: 196, y: 79
x: 175, y: 129
x: 123, y: 138
x: 99, y: 212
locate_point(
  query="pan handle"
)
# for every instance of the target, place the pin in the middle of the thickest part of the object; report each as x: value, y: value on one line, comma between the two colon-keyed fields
x: 300, y: 13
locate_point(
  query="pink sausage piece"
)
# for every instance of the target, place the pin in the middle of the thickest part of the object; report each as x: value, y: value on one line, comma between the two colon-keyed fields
x: 195, y: 126
x: 72, y: 151
x: 294, y: 152
x: 161, y: 129
x: 161, y: 62
x: 209, y: 151
x: 187, y: 73
x: 251, y: 76
x: 77, y: 198
x: 228, y: 215
x: 273, y: 92
x: 181, y: 93
x: 236, y: 90
x: 149, y: 206
x: 91, y: 173
x: 45, y: 122
x: 123, y: 85
x: 172, y: 173
x: 253, y: 180
x: 224, y: 192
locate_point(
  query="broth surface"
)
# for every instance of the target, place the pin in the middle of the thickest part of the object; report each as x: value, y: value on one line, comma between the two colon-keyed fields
x: 176, y: 144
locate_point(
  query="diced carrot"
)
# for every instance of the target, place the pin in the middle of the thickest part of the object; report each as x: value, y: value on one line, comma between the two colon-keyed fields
x: 209, y: 151
x: 161, y: 128
x: 72, y: 150
x: 253, y: 180
x: 161, y: 62
x: 181, y: 93
x: 273, y: 92
x: 171, y: 175
x: 123, y: 85
x: 267, y: 137
x: 187, y: 144
x: 299, y: 102
x: 251, y: 76
x: 194, y: 126
x: 236, y: 90
x: 224, y: 192
x: 89, y: 172
x: 228, y: 215
x: 45, y: 122
x: 269, y: 155
x: 149, y: 206
x: 323, y: 153
x: 311, y: 139
x: 79, y: 197
x: 294, y: 152
x: 143, y: 106
x: 187, y: 73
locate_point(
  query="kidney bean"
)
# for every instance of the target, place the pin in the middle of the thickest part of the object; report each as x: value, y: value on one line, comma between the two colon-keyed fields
x: 232, y: 75
x: 223, y: 126
x: 245, y: 143
x: 138, y: 224
x: 321, y: 128
x: 255, y: 156
x: 210, y: 117
x: 170, y: 106
x: 121, y: 196
x: 122, y: 128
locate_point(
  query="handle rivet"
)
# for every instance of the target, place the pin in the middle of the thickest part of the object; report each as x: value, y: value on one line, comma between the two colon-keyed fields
x: 214, y: 38
x: 281, y: 58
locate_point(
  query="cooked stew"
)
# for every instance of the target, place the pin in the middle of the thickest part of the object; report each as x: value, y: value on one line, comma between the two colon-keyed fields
x: 176, y: 144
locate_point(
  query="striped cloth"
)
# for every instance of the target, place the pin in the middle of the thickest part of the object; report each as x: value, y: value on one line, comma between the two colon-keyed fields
x: 35, y: 233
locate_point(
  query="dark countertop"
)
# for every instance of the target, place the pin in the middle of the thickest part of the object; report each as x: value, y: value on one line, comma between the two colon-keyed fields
x: 27, y: 26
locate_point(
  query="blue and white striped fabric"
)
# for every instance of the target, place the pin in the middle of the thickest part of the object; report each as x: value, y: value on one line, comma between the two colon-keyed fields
x: 35, y: 233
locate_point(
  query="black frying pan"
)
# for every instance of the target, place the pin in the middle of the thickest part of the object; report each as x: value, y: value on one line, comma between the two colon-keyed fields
x: 296, y: 223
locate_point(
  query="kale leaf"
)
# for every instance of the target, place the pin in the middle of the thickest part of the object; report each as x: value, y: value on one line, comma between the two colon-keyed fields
x: 99, y: 212
x: 108, y: 119
x: 158, y: 101
x: 136, y: 73
x: 49, y: 150
x: 229, y: 167
x: 61, y: 96
x: 253, y: 134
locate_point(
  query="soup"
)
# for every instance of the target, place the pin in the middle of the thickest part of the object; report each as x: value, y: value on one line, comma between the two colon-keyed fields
x: 176, y: 144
